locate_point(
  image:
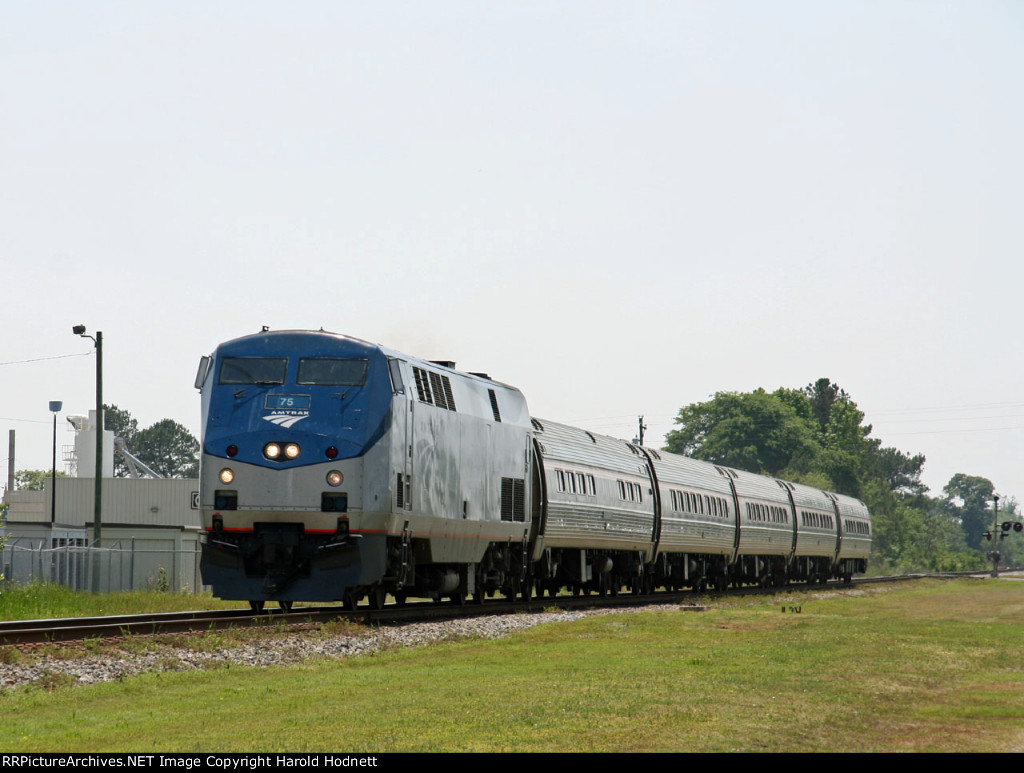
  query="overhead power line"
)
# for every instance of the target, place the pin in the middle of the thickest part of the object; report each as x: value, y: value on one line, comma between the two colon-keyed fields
x: 41, y: 359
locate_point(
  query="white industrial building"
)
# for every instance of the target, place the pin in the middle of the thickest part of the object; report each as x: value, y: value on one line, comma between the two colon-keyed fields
x: 150, y: 526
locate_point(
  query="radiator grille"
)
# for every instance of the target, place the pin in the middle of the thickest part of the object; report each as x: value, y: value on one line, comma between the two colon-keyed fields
x: 422, y: 385
x: 513, y: 499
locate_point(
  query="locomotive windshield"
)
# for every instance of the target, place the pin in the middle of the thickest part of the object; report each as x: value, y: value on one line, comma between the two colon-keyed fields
x: 331, y: 372
x: 253, y: 370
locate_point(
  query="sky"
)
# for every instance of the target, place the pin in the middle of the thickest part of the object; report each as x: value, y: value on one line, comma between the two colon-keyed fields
x: 619, y: 208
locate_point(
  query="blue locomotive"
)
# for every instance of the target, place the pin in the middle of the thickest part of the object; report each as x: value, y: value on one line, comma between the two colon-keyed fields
x: 337, y: 469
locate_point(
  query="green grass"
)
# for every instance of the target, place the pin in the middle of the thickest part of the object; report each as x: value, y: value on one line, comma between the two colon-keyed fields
x: 37, y: 601
x: 932, y: 666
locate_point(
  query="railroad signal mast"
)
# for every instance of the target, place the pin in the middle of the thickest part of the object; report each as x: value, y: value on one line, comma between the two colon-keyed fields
x: 998, y: 533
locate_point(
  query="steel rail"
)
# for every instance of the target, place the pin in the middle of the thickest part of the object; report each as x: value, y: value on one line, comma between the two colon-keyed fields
x: 82, y: 628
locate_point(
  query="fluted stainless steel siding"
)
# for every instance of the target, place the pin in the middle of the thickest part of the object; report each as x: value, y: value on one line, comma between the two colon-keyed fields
x: 759, y: 537
x: 684, y: 532
x: 854, y: 545
x: 814, y: 540
x: 603, y: 521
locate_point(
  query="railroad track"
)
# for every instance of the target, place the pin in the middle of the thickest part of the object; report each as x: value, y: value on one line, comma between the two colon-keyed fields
x: 81, y: 628
x: 112, y: 626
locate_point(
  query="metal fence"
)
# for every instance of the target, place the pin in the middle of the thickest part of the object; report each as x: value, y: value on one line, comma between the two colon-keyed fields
x: 122, y: 565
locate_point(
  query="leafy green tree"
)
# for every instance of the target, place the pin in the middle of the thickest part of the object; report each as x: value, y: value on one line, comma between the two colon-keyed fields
x: 33, y: 480
x: 822, y: 395
x: 901, y: 471
x: 756, y: 431
x: 166, y: 447
x: 967, y: 501
x: 121, y: 423
x: 815, y: 435
x: 169, y: 449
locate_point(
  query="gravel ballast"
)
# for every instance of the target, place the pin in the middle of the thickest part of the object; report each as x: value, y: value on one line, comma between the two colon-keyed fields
x: 76, y: 664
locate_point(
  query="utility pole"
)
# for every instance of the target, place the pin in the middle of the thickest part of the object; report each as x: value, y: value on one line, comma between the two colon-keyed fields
x: 642, y: 428
x: 98, y: 499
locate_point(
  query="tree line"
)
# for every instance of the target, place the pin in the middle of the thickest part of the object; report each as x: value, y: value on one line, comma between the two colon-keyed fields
x: 817, y: 436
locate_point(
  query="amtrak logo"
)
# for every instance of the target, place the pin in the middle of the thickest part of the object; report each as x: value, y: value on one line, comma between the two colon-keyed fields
x: 286, y: 420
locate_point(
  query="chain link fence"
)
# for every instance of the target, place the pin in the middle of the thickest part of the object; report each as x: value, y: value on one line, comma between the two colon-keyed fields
x: 123, y: 565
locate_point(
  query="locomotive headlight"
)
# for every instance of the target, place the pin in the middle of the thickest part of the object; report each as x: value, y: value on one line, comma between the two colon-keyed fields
x: 272, y: 450
x: 334, y: 478
x: 227, y: 475
x: 291, y: 450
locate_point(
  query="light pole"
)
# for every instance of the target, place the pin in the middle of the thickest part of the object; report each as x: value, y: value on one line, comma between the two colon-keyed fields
x: 79, y: 330
x: 55, y: 406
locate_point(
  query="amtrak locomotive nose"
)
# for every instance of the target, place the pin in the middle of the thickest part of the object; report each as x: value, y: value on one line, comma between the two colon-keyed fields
x: 288, y: 420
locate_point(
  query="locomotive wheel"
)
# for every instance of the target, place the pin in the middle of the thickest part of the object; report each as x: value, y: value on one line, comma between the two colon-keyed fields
x: 376, y: 597
x: 527, y: 591
x: 351, y: 600
x: 401, y: 597
x: 286, y: 606
x: 479, y: 594
x: 257, y: 606
x: 512, y: 590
